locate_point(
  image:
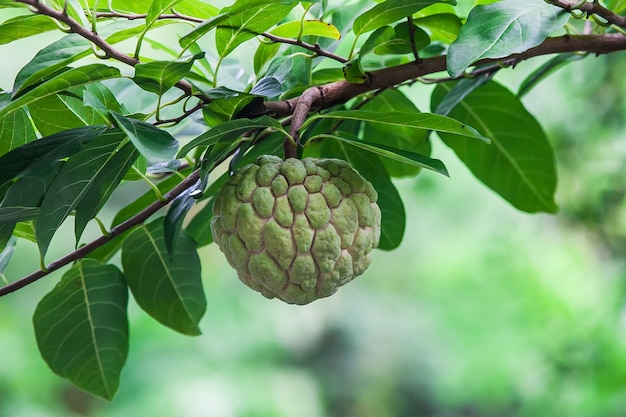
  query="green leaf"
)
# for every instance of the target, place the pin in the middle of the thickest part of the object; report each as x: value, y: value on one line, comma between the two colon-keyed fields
x: 157, y: 145
x: 159, y: 76
x: 501, y: 29
x: 173, y: 222
x: 389, y: 12
x: 102, y: 186
x: 170, y: 290
x: 393, y: 221
x: 442, y: 26
x: 405, y: 157
x: 55, y: 57
x: 545, y: 70
x: 246, y: 20
x: 353, y: 72
x: 60, y: 112
x: 199, y: 228
x: 418, y: 121
x: 81, y: 327
x: 398, y: 40
x: 72, y: 184
x: 459, y: 91
x: 71, y: 78
x: 396, y: 136
x: 298, y: 28
x: 36, y: 158
x: 202, y: 29
x: 16, y: 129
x: 230, y: 131
x: 519, y: 164
x: 24, y: 26
x: 25, y: 230
x: 6, y: 253
x: 196, y: 8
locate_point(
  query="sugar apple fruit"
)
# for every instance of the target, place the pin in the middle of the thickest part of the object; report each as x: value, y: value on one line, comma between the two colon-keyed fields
x: 297, y: 229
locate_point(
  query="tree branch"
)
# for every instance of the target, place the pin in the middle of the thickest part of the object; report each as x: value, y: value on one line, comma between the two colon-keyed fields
x: 110, y: 52
x: 342, y: 91
x: 83, y: 251
x: 591, y: 8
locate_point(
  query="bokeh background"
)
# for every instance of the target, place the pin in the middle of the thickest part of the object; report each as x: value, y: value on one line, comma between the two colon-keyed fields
x: 483, y: 311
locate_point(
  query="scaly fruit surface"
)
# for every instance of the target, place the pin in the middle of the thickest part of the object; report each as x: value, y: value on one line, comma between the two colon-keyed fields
x: 297, y: 229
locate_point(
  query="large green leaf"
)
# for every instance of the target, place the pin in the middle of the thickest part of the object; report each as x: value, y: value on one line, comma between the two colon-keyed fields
x: 24, y: 26
x: 199, y: 228
x: 197, y: 8
x: 62, y: 82
x: 388, y: 12
x: 56, y: 56
x: 503, y: 28
x: 442, y: 26
x: 170, y: 290
x: 173, y: 222
x: 102, y: 186
x: 519, y: 163
x: 16, y: 129
x: 417, y: 121
x: 298, y: 28
x: 159, y: 76
x: 157, y: 145
x: 37, y: 157
x: 72, y: 184
x: 393, y: 220
x: 60, y: 112
x: 81, y: 327
x: 229, y: 131
x: 246, y: 20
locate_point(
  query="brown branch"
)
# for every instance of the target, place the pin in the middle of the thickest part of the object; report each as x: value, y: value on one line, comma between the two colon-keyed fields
x: 110, y: 52
x: 94, y: 244
x: 591, y: 8
x: 342, y: 91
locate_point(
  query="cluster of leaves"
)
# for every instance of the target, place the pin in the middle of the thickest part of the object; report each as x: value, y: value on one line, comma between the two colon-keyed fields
x: 73, y: 130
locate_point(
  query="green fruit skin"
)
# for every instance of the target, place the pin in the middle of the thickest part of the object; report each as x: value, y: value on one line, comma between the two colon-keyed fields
x: 297, y: 229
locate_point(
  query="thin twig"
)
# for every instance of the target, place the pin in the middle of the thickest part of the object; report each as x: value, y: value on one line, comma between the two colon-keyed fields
x: 591, y: 8
x: 83, y: 251
x: 110, y: 52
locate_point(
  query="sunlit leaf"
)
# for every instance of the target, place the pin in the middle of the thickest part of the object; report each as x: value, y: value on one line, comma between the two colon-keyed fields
x: 16, y: 129
x: 60, y: 112
x: 81, y: 327
x: 62, y: 82
x: 297, y: 28
x: 503, y: 28
x: 170, y: 290
x: 389, y: 12
x: 246, y: 20
x: 24, y: 26
x: 159, y: 76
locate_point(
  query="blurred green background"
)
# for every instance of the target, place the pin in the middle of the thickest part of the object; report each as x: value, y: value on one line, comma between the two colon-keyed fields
x: 483, y: 311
